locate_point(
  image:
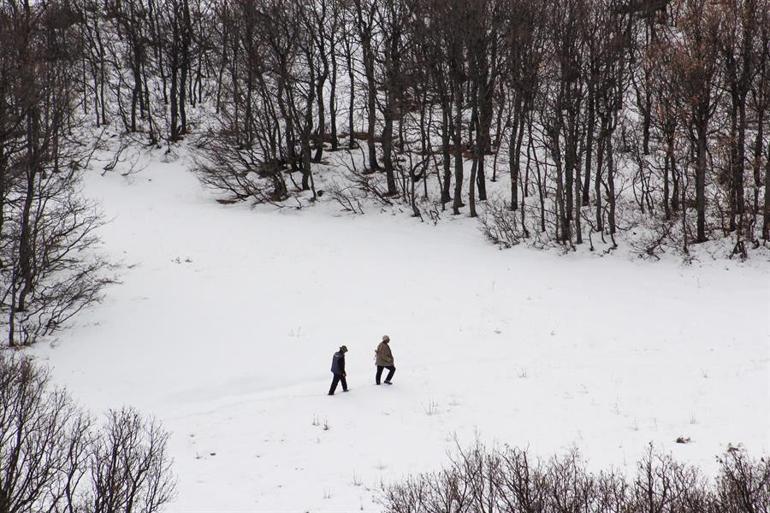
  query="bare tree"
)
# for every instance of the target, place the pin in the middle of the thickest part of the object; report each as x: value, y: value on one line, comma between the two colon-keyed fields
x: 364, y: 15
x: 694, y: 57
x: 53, y: 458
x: 48, y: 268
x: 43, y: 441
x: 739, y: 44
x: 130, y: 469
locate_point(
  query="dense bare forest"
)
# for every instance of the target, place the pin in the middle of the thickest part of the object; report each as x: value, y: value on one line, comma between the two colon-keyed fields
x: 600, y: 116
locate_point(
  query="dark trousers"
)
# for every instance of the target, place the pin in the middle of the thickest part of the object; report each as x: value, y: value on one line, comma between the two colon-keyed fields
x: 338, y: 378
x: 391, y: 371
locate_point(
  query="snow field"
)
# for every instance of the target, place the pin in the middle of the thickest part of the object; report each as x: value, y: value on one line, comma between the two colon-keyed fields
x: 227, y: 317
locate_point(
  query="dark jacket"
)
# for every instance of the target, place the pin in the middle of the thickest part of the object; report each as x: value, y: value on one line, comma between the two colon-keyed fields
x: 338, y: 363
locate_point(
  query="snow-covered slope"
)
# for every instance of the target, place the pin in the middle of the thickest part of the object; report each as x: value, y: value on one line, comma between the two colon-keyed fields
x: 227, y: 317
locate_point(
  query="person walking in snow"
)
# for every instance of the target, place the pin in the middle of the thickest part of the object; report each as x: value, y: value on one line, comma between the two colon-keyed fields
x: 384, y: 360
x: 338, y: 369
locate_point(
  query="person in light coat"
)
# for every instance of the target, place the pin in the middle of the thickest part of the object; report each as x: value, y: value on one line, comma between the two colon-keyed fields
x: 384, y: 360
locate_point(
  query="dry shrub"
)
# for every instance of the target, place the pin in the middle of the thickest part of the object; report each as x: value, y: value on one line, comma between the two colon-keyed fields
x: 509, y: 480
x: 54, y: 458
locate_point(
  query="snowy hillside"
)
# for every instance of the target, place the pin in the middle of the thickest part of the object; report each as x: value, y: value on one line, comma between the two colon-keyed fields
x: 227, y: 317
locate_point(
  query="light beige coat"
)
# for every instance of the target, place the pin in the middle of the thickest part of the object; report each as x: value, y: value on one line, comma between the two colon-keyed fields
x: 384, y: 355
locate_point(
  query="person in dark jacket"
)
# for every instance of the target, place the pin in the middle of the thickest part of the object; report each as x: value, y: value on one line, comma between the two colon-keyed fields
x: 384, y: 360
x: 338, y: 369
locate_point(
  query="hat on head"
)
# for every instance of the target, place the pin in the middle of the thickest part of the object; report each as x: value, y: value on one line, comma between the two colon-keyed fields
x: 344, y: 349
x: 385, y: 338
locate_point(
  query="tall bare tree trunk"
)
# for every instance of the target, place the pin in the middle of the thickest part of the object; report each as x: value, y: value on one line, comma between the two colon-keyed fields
x: 700, y: 182
x: 458, y: 150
